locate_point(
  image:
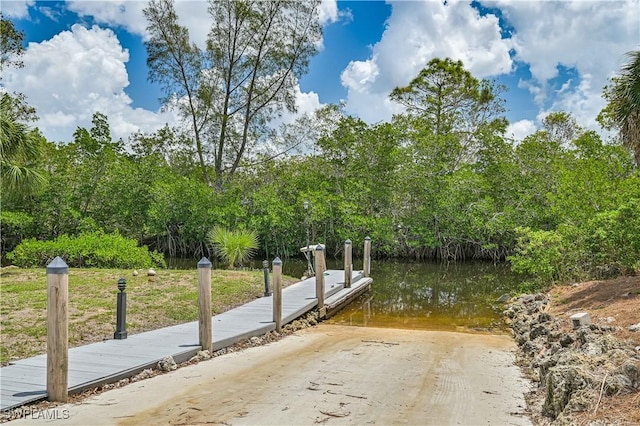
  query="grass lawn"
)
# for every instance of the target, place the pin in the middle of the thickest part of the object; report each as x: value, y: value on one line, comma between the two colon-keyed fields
x: 169, y: 298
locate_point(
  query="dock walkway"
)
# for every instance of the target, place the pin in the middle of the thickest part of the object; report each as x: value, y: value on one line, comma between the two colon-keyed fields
x: 92, y: 365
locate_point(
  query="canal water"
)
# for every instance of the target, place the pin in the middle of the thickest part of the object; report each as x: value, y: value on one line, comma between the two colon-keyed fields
x: 433, y: 296
x: 424, y: 295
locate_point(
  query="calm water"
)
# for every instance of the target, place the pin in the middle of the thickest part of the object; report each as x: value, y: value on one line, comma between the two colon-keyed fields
x: 432, y: 296
x: 420, y: 295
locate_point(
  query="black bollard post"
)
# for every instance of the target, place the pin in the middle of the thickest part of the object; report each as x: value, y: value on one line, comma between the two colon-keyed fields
x: 267, y: 289
x: 121, y: 319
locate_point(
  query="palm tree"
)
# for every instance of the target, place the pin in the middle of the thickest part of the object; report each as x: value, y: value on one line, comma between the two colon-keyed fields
x: 18, y: 148
x: 625, y: 103
x: 235, y: 247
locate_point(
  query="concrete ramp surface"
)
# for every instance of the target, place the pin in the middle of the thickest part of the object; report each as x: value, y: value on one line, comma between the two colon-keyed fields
x: 330, y: 374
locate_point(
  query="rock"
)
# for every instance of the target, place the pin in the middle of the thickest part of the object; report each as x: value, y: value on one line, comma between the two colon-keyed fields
x: 616, y: 384
x: 135, y: 273
x: 200, y: 356
x: 591, y: 349
x: 635, y: 327
x: 167, y: 364
x: 527, y: 298
x: 631, y: 370
x: 504, y: 298
x: 544, y: 317
x: 562, y: 382
x: 145, y: 374
x: 566, y: 339
x: 538, y: 330
x: 531, y: 348
x: 204, y: 354
x: 151, y: 272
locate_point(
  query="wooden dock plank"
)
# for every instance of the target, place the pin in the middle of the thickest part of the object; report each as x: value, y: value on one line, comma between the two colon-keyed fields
x: 24, y: 381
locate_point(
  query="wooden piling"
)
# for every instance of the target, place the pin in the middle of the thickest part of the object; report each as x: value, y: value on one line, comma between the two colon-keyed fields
x: 366, y: 267
x: 348, y: 264
x: 57, y: 330
x: 277, y: 293
x: 320, y: 268
x: 204, y: 305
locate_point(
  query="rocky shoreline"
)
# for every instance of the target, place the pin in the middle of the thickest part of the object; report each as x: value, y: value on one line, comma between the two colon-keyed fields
x: 574, y: 369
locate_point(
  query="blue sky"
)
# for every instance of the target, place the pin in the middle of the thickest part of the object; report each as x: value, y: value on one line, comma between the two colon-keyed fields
x: 87, y: 56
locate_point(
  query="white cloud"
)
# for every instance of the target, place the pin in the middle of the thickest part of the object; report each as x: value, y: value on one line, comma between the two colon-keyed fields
x: 79, y: 72
x: 193, y: 14
x: 521, y: 129
x: 416, y: 33
x: 360, y: 74
x: 129, y: 15
x: 122, y: 13
x: 588, y: 36
x: 306, y: 103
x: 328, y: 12
x: 75, y: 74
x: 16, y: 9
x: 584, y: 103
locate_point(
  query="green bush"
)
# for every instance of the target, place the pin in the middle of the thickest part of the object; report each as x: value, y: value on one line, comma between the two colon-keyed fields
x: 607, y: 245
x: 235, y: 247
x: 538, y: 253
x: 90, y: 249
x: 615, y: 239
x: 15, y: 226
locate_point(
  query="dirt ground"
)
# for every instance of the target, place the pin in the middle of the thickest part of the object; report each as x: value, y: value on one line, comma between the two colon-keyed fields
x: 328, y: 374
x: 614, y: 302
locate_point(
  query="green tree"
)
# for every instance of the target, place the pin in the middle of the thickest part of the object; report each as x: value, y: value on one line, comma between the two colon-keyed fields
x: 449, y: 113
x: 19, y: 145
x: 255, y: 53
x: 561, y: 127
x: 623, y: 111
x: 19, y: 151
x: 10, y: 45
x: 452, y: 105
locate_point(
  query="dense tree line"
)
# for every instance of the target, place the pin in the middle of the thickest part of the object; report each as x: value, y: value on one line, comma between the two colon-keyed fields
x: 441, y: 181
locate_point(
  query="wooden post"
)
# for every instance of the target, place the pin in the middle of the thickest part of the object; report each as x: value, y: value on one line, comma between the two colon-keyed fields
x: 320, y: 268
x: 366, y: 267
x: 348, y: 264
x: 277, y: 293
x: 57, y: 330
x: 204, y: 305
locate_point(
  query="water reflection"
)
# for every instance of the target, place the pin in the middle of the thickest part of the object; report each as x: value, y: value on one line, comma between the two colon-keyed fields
x: 417, y: 295
x: 432, y: 296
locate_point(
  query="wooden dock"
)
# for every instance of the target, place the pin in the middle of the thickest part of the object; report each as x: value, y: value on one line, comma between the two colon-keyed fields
x: 92, y: 365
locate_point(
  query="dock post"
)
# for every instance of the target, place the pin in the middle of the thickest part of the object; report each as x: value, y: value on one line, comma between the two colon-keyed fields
x: 348, y: 264
x: 277, y: 293
x: 320, y: 268
x: 57, y: 330
x: 204, y: 304
x: 366, y: 267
